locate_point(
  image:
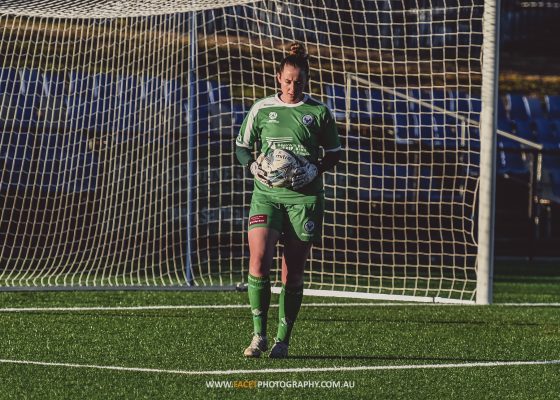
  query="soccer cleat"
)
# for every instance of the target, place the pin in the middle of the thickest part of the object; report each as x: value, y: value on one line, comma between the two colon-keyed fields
x: 279, y: 350
x: 258, y: 345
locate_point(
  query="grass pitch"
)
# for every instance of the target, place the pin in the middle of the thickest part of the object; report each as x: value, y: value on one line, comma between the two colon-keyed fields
x: 413, y: 350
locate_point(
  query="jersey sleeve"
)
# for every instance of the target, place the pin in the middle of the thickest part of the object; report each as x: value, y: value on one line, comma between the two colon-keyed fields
x: 329, y: 139
x: 250, y: 131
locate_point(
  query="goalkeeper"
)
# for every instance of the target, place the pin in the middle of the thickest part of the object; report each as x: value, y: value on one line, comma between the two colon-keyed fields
x: 293, y: 121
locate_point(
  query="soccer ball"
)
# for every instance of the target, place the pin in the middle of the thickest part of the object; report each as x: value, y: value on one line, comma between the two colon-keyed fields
x: 279, y: 166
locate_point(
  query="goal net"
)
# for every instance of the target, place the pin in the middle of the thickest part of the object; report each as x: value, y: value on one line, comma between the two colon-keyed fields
x: 119, y: 121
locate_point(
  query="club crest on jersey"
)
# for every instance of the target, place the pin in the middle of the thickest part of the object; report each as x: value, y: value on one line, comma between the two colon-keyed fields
x: 309, y: 226
x: 307, y: 119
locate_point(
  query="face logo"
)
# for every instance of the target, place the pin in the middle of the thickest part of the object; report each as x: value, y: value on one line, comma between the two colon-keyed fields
x: 309, y: 226
x: 307, y: 119
x: 272, y: 115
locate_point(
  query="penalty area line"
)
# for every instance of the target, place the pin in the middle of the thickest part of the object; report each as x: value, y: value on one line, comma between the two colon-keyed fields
x: 244, y: 306
x: 286, y: 370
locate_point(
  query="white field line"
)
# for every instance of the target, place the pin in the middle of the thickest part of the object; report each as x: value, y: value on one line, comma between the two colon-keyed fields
x: 287, y: 370
x: 234, y: 306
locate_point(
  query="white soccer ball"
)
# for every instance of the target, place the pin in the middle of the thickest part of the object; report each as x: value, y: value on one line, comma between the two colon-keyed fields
x: 279, y: 166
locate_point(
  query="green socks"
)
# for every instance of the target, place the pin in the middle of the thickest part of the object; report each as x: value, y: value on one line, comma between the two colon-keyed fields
x: 259, y: 298
x: 290, y: 303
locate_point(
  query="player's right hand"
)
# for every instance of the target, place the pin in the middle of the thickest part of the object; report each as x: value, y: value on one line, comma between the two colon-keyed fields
x: 258, y: 172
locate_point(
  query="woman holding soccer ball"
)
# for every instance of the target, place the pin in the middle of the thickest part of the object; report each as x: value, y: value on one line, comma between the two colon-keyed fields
x: 288, y: 197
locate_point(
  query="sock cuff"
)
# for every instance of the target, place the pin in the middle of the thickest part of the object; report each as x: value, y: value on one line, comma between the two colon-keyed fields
x: 259, y: 281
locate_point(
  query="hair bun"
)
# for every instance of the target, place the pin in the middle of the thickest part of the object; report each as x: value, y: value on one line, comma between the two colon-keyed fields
x: 297, y: 49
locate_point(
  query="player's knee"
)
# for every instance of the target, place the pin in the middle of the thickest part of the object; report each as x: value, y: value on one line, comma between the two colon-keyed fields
x: 294, y: 278
x: 258, y: 266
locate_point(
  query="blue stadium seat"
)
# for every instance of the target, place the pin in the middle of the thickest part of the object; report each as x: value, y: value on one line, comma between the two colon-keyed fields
x: 502, y: 112
x: 129, y: 93
x: 152, y: 103
x: 151, y: 91
x: 239, y: 115
x: 428, y: 98
x: 396, y: 104
x: 406, y: 128
x: 172, y: 93
x: 413, y: 96
x: 360, y: 107
x: 516, y: 107
x: 51, y: 157
x: 201, y: 110
x: 429, y: 131
x: 546, y: 133
x: 468, y: 136
x: 17, y: 153
x: 54, y: 100
x: 173, y: 96
x: 434, y: 185
x: 66, y: 164
x: 554, y: 176
x: 29, y: 98
x: 8, y: 95
x: 505, y: 125
x: 464, y: 104
x: 450, y: 100
x: 376, y: 98
x: 533, y: 107
x: 390, y: 182
x: 217, y: 93
x: 524, y: 129
x: 81, y: 101
x: 200, y: 121
x: 475, y: 107
x: 445, y: 131
x: 106, y: 106
x: 471, y: 163
x: 459, y: 102
x: 438, y: 97
x: 336, y: 101
x: 510, y: 160
x: 221, y: 103
x: 553, y: 106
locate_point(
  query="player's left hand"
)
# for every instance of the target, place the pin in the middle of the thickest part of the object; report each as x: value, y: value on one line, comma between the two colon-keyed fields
x: 304, y: 175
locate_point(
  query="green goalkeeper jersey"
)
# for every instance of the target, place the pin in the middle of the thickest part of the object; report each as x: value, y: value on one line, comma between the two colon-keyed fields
x: 302, y: 128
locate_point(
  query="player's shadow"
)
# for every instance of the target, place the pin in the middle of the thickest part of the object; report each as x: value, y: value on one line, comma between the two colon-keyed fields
x: 386, y: 358
x: 423, y: 322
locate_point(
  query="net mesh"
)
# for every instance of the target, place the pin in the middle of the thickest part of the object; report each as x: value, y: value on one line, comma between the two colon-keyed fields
x: 118, y: 144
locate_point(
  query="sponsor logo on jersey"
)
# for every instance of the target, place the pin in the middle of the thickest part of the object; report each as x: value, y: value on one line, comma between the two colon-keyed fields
x: 258, y: 219
x: 280, y: 143
x: 309, y: 226
x: 285, y: 143
x: 273, y: 117
x: 307, y: 119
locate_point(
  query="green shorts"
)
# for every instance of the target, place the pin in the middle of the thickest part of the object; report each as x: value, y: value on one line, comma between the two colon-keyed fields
x: 302, y: 221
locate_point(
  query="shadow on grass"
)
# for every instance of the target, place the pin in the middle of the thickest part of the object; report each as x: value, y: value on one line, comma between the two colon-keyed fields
x: 389, y: 358
x: 380, y: 321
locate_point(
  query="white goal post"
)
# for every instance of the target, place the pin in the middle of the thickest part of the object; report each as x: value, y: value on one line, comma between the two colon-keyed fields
x: 118, y: 126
